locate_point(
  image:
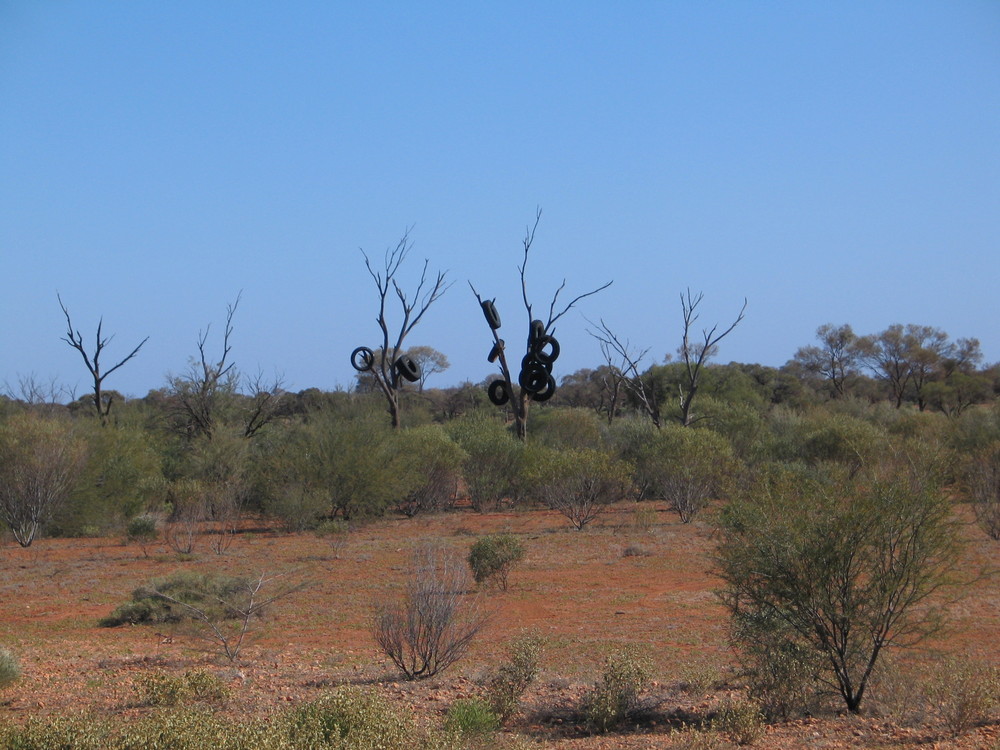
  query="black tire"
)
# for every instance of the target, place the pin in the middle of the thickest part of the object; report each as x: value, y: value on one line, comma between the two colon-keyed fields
x: 408, y: 369
x: 495, y: 351
x: 548, y: 392
x: 366, y: 360
x: 531, y: 362
x: 497, y: 392
x: 536, y: 331
x: 546, y: 358
x: 492, y: 316
x: 533, y: 380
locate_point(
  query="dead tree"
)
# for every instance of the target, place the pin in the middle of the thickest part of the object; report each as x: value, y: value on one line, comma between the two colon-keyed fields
x: 694, y: 354
x: 389, y: 367
x: 519, y: 397
x: 623, y: 365
x: 209, y: 383
x: 93, y: 361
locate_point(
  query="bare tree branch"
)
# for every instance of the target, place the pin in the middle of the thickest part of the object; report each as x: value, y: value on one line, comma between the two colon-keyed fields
x: 74, y: 338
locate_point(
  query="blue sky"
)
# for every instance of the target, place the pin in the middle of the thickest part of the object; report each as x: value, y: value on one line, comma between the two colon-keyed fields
x: 829, y: 161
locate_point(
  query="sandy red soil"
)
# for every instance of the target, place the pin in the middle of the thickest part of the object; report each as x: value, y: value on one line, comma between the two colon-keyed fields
x: 584, y: 591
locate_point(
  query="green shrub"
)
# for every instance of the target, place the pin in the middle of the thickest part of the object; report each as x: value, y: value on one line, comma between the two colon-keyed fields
x: 966, y: 692
x: 350, y: 718
x: 162, y: 689
x: 207, y: 591
x: 615, y: 698
x: 505, y: 688
x: 492, y: 558
x: 10, y: 670
x: 471, y: 716
x: 742, y: 720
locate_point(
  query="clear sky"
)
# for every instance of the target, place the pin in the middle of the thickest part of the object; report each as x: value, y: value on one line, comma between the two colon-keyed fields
x: 832, y: 162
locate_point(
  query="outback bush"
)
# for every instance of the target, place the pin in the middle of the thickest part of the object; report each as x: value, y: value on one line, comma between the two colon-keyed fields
x: 966, y: 692
x: 514, y: 675
x: 432, y: 625
x: 580, y: 484
x: 40, y: 461
x: 567, y: 428
x: 350, y: 717
x: 615, y: 697
x: 10, y: 670
x: 162, y: 599
x: 471, y: 717
x: 433, y: 462
x: 983, y: 482
x: 493, y: 460
x: 492, y: 557
x: 143, y: 530
x: 164, y: 689
x: 687, y: 467
x: 742, y: 720
x: 846, y: 568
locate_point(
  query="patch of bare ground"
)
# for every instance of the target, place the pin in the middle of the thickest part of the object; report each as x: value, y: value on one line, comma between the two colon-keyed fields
x: 586, y: 592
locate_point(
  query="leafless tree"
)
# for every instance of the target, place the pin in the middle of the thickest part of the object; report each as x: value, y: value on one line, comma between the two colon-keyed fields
x: 519, y: 398
x: 384, y: 367
x: 623, y: 363
x: 33, y: 391
x: 74, y: 338
x: 209, y: 385
x: 434, y: 623
x: 695, y: 353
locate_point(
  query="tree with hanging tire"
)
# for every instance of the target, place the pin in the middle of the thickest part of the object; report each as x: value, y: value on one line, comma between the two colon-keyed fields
x: 388, y: 365
x: 534, y: 380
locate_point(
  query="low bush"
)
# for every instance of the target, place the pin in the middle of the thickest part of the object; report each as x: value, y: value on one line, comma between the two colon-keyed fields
x: 162, y: 689
x: 471, y: 717
x: 615, y: 698
x: 742, y: 720
x: 493, y: 557
x: 142, y: 530
x: 151, y: 603
x: 350, y: 717
x: 966, y: 692
x: 514, y: 676
x: 10, y: 670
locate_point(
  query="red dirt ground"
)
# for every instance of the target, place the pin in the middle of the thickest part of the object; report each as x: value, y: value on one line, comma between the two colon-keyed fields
x: 586, y: 592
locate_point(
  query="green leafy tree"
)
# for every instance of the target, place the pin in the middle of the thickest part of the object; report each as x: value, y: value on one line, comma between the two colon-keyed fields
x: 493, y: 460
x: 842, y: 569
x: 40, y: 461
x: 579, y: 483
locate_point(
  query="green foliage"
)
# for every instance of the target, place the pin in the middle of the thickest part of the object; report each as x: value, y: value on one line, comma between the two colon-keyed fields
x: 10, y: 670
x: 350, y: 718
x: 847, y: 568
x: 983, y: 483
x: 471, y: 717
x: 577, y: 483
x: 742, y: 720
x: 493, y: 557
x: 123, y: 468
x: 432, y: 465
x: 615, y: 698
x: 40, y: 460
x: 514, y: 675
x: 212, y: 593
x: 966, y: 692
x: 493, y: 459
x: 567, y: 428
x: 163, y: 689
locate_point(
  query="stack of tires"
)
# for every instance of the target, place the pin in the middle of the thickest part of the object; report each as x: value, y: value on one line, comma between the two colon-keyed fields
x: 535, y: 377
x: 363, y: 360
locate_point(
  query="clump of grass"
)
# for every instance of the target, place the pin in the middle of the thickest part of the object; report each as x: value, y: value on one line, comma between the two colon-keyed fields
x: 10, y: 669
x: 162, y: 689
x: 471, y: 717
x: 741, y: 719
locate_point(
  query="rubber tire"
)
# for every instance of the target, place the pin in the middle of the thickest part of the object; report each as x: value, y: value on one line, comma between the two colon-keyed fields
x: 531, y: 362
x: 495, y: 351
x: 368, y: 359
x: 408, y: 369
x: 541, y: 355
x: 536, y: 332
x: 497, y: 392
x: 533, y: 380
x: 492, y: 316
x: 549, y: 392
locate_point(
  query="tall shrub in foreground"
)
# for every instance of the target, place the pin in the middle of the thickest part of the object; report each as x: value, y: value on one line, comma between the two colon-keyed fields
x: 844, y: 569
